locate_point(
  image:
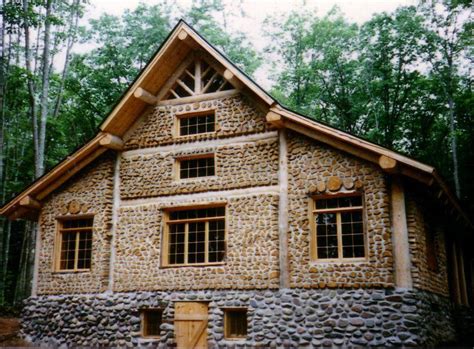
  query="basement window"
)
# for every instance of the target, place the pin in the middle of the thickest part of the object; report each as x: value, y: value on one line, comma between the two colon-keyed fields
x: 235, y: 323
x: 151, y: 322
x: 75, y: 244
x: 195, y: 237
x: 196, y: 166
x: 339, y: 228
x: 197, y: 124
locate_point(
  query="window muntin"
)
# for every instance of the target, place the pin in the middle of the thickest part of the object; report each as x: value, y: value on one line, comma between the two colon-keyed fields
x: 196, y: 236
x: 75, y: 244
x: 151, y: 322
x: 339, y: 228
x: 201, y: 166
x: 235, y: 323
x: 197, y: 124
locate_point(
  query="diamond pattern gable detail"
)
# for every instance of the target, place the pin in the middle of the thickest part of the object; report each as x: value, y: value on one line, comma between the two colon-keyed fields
x: 198, y: 78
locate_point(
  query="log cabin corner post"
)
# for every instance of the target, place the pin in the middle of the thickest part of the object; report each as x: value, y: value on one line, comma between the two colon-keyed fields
x: 283, y: 209
x: 401, y: 246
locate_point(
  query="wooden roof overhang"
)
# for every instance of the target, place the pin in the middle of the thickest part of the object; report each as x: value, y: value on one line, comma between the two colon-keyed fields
x: 181, y: 42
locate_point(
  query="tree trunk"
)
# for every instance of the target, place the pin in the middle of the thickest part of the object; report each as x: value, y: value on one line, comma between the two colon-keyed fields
x: 454, y: 146
x: 7, y: 226
x: 45, y: 67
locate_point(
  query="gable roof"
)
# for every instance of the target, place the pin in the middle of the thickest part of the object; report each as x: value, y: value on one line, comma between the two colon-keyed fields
x: 180, y: 43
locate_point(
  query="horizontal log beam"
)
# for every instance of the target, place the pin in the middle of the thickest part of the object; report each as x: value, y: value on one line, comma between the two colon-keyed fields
x: 230, y: 77
x: 145, y: 96
x: 182, y: 35
x: 30, y: 203
x: 111, y: 141
x: 388, y: 164
x: 275, y: 119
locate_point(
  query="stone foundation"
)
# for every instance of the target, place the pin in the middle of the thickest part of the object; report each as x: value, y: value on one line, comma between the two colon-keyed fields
x: 289, y: 318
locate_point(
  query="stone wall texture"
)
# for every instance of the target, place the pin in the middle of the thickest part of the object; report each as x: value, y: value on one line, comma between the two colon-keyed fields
x: 310, y: 165
x: 424, y: 278
x: 235, y: 116
x: 297, y: 318
x: 251, y: 259
x: 89, y: 193
x: 237, y: 166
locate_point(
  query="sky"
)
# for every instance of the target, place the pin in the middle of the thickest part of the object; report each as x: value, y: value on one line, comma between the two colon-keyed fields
x: 358, y: 11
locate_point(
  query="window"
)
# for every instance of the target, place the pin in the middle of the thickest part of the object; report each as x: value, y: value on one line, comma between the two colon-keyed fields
x: 151, y: 322
x: 235, y: 323
x: 339, y: 228
x: 195, y: 236
x: 75, y: 242
x: 197, y: 124
x: 201, y: 166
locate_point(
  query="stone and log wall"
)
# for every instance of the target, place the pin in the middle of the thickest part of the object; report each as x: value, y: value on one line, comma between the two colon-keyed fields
x: 251, y: 259
x: 296, y: 318
x: 316, y: 169
x: 418, y: 219
x: 89, y: 193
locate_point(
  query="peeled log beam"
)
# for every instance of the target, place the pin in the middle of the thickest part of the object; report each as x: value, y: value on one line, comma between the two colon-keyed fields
x: 182, y: 35
x: 275, y: 119
x: 145, y: 96
x: 112, y: 142
x: 229, y: 76
x: 30, y: 203
x: 388, y: 164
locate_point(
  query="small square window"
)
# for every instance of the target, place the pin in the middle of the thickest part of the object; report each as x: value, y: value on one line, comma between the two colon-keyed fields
x: 151, y: 322
x: 200, y: 166
x: 235, y: 323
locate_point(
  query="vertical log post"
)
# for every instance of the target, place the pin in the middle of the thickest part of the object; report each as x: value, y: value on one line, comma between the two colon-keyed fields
x: 115, y: 208
x: 401, y: 246
x: 283, y: 210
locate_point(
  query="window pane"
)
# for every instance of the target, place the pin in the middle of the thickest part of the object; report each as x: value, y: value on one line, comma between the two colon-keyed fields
x: 197, y: 124
x: 201, y: 167
x: 236, y: 323
x: 152, y: 320
x: 176, y: 243
x: 197, y: 242
x: 216, y: 241
x: 76, y: 245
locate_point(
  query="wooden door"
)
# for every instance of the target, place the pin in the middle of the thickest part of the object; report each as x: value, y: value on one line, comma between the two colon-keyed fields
x: 190, y: 325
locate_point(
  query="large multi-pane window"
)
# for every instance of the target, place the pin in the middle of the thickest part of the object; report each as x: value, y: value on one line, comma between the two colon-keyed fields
x: 195, y: 236
x: 197, y: 124
x: 200, y: 166
x: 75, y: 244
x: 339, y: 228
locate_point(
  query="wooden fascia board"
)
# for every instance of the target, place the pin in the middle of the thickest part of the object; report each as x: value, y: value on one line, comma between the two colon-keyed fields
x: 148, y: 70
x: 57, y: 176
x: 365, y: 150
x: 350, y: 139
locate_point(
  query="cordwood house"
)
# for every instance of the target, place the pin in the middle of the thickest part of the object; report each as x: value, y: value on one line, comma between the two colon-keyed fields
x: 205, y: 214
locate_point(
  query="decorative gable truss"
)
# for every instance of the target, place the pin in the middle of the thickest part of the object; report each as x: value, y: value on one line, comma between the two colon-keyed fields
x: 199, y: 77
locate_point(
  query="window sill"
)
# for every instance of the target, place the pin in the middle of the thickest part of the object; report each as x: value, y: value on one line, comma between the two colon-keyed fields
x: 339, y: 261
x: 194, y: 179
x: 219, y: 264
x: 72, y: 271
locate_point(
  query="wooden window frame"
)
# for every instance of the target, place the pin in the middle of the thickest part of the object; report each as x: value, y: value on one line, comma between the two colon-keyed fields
x: 177, y: 166
x: 188, y: 115
x: 165, y: 245
x: 313, y: 226
x: 227, y: 335
x: 59, y: 241
x: 143, y: 321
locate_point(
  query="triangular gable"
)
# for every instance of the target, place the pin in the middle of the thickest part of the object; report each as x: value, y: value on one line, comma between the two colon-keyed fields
x: 157, y: 83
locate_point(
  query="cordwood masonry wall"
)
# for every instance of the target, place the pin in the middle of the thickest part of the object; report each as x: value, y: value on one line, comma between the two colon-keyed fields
x: 326, y: 303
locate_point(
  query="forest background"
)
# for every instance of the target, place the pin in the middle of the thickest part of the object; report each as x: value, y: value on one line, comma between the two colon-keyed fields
x: 401, y: 79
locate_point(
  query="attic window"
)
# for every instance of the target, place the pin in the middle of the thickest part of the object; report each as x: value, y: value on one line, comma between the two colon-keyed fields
x: 198, y: 78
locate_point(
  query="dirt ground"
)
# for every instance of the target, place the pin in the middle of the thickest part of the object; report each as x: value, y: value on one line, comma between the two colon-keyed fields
x: 9, y: 328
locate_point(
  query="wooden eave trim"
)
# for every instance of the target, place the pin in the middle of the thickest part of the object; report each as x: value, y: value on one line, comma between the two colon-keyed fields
x: 423, y: 173
x: 191, y: 39
x: 55, y: 178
